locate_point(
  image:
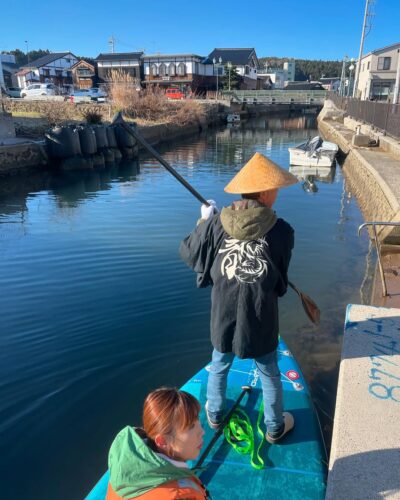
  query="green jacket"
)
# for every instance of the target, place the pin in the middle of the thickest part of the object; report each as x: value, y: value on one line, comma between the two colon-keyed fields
x: 135, y: 469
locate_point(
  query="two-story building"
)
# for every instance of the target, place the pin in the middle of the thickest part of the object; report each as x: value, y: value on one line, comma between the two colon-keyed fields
x: 378, y: 73
x: 84, y: 74
x: 51, y: 68
x: 113, y: 64
x: 245, y: 61
x: 189, y: 72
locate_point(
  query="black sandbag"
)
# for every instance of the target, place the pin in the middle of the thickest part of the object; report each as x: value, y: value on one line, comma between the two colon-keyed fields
x: 101, y: 137
x: 117, y: 155
x: 63, y: 142
x: 112, y: 140
x: 108, y: 155
x: 87, y: 139
x: 124, y: 138
x: 98, y: 160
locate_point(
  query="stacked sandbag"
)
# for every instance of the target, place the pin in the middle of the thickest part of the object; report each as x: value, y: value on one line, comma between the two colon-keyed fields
x: 102, y: 143
x: 64, y: 149
x: 112, y: 143
x: 126, y: 142
x: 87, y: 138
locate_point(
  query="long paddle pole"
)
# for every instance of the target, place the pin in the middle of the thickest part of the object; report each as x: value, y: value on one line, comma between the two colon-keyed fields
x: 310, y: 307
x: 245, y: 390
x: 118, y: 120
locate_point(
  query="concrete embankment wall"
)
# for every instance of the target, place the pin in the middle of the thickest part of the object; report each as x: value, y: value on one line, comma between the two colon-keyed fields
x: 372, y: 174
x: 21, y: 156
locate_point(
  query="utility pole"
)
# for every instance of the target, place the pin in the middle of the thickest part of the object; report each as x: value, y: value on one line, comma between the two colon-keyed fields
x: 343, y: 77
x: 363, y: 35
x: 111, y: 43
x: 397, y: 84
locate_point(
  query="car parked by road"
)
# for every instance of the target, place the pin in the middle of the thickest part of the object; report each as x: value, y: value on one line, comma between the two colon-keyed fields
x: 174, y: 93
x: 39, y: 89
x: 92, y: 94
x: 13, y: 92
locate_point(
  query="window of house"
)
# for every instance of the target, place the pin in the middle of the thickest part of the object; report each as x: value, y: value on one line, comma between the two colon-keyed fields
x: 247, y: 70
x: 384, y: 63
x: 163, y: 69
x: 46, y: 72
x: 181, y: 69
x: 368, y: 65
x: 172, y: 69
x: 153, y: 70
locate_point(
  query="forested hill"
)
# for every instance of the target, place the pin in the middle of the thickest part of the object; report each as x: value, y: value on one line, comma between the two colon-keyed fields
x: 306, y: 69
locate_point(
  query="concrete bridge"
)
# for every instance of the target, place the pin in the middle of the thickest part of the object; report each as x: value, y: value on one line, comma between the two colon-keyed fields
x: 294, y: 97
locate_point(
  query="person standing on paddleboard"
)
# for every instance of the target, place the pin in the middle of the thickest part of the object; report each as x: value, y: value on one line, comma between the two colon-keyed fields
x: 149, y: 463
x: 244, y: 253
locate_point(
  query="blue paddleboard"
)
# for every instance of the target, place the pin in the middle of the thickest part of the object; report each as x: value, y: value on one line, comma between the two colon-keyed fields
x: 294, y: 469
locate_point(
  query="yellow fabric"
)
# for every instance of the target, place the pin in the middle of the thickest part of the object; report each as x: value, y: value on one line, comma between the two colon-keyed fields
x: 260, y: 174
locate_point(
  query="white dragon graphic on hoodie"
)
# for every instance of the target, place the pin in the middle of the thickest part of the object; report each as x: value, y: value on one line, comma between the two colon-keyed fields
x: 243, y: 260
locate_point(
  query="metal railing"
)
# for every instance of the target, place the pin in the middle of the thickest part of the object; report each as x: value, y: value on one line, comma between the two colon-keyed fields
x: 276, y: 96
x: 378, y: 248
x: 382, y: 115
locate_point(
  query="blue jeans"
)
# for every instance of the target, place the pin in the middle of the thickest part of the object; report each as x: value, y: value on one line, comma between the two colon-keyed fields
x: 270, y: 380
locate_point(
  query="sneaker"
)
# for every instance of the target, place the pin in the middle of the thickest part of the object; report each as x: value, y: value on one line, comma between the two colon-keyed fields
x: 214, y: 423
x: 274, y: 437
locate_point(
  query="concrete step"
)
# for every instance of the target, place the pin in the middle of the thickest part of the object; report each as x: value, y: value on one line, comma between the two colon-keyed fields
x: 365, y: 454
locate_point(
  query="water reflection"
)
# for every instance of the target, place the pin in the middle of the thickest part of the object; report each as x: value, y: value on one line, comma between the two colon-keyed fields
x: 308, y: 176
x: 69, y: 189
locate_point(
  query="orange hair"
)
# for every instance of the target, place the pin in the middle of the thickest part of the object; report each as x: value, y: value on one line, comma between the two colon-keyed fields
x: 168, y: 409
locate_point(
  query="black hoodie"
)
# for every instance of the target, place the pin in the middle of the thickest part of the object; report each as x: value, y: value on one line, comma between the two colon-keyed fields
x: 232, y: 251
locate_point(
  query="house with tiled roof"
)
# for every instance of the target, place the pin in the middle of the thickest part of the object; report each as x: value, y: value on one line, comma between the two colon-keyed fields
x: 245, y: 60
x: 114, y: 63
x: 51, y: 68
x: 84, y: 74
x: 188, y: 72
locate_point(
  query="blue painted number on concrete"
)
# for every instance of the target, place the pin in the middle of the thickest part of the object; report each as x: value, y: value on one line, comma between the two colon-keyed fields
x: 385, y: 392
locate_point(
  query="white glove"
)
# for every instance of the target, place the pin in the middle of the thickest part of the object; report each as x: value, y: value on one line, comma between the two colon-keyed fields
x: 207, y: 212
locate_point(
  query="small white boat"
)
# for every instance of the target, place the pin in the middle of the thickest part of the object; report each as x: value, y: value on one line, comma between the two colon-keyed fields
x: 233, y: 118
x: 314, y: 153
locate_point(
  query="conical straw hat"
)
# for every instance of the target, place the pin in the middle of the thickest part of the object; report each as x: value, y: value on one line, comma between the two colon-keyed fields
x: 260, y: 174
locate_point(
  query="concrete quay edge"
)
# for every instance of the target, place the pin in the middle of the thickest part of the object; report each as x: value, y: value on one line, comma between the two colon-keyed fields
x: 365, y: 454
x: 375, y: 187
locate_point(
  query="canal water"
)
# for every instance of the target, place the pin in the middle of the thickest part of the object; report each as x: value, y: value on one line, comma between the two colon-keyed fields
x: 97, y: 308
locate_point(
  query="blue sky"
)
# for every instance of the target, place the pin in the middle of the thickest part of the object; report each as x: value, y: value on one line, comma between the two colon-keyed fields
x: 303, y: 29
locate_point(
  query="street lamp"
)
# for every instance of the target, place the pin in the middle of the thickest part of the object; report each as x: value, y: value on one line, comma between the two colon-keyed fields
x: 343, y: 77
x: 27, y: 52
x: 229, y: 66
x: 217, y: 66
x: 351, y: 69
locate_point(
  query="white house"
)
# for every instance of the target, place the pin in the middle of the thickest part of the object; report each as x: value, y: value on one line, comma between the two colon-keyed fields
x: 245, y: 61
x: 378, y: 73
x: 54, y: 68
x: 280, y: 77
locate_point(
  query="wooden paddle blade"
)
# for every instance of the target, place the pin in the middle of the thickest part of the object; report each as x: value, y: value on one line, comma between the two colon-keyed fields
x: 310, y: 307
